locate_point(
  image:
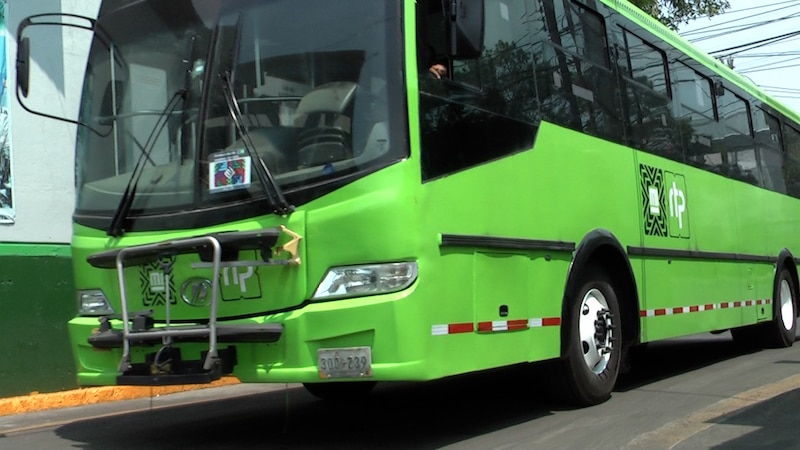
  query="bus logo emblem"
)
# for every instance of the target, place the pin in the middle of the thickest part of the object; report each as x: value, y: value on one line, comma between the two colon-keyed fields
x: 664, y: 203
x: 196, y: 291
x: 677, y: 204
x: 154, y: 284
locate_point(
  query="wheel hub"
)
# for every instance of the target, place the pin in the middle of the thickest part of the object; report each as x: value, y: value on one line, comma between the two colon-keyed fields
x: 604, y: 331
x: 596, y: 331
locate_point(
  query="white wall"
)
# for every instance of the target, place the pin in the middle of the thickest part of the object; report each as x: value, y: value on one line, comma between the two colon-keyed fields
x: 42, y: 150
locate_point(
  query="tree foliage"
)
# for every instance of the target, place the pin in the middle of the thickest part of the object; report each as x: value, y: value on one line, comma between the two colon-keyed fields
x: 673, y: 13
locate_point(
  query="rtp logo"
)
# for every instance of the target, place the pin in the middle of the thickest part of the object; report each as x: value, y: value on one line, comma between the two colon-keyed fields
x: 239, y: 283
x: 678, y: 215
x: 664, y: 203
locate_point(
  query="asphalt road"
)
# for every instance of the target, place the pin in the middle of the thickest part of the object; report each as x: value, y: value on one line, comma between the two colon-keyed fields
x: 691, y: 393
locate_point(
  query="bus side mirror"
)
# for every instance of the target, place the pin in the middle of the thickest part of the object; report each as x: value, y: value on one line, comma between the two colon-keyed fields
x: 465, y: 28
x: 23, y: 66
x: 41, y: 85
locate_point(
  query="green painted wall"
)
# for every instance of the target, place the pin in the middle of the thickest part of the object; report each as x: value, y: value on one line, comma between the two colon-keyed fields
x: 36, y: 300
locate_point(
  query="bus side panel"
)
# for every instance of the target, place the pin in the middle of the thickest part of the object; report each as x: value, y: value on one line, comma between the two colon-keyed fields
x: 701, y: 272
x: 565, y: 187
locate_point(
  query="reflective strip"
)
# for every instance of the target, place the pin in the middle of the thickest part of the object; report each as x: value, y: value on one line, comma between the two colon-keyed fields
x: 698, y: 308
x: 453, y: 328
x: 495, y: 326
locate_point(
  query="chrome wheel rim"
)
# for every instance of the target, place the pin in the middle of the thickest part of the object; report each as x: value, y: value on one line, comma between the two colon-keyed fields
x: 786, y: 305
x: 596, y: 329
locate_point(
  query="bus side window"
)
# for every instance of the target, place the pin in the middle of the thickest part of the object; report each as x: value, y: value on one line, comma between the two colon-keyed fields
x: 791, y: 166
x: 649, y: 106
x: 430, y: 35
x: 769, y: 146
x: 740, y: 154
x: 486, y: 108
x: 696, y: 121
x: 573, y: 69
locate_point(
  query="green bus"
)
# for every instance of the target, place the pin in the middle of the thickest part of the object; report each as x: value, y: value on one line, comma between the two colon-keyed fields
x: 285, y: 191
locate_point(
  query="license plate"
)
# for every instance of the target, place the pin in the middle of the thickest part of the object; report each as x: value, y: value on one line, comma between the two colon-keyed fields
x: 352, y: 362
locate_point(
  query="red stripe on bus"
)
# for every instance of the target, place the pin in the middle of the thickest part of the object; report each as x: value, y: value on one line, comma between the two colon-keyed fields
x: 498, y: 325
x: 460, y: 328
x: 517, y: 324
x: 484, y: 326
x: 699, y: 308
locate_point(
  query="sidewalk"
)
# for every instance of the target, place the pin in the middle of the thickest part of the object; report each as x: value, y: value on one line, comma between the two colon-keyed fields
x: 93, y: 395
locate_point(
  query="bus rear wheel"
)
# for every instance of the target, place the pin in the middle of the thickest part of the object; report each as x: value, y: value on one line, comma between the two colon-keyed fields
x: 340, y: 390
x: 780, y: 331
x: 592, y: 341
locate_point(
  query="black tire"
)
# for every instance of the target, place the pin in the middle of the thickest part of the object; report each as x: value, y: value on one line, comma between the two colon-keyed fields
x: 340, y: 390
x: 591, y: 339
x: 780, y: 331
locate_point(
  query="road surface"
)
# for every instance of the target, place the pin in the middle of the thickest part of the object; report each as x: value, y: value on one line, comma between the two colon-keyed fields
x: 689, y: 393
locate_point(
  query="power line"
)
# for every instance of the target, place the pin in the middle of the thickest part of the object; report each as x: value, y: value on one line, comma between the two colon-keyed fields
x: 769, y: 68
x: 713, y: 27
x: 755, y: 44
x: 767, y: 55
x: 765, y: 65
x: 781, y: 88
x: 727, y: 30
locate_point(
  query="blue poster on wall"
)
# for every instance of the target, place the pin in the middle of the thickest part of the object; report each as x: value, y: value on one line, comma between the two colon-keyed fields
x: 6, y: 181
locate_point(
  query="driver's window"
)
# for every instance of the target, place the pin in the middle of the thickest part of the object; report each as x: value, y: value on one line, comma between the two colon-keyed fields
x: 485, y: 108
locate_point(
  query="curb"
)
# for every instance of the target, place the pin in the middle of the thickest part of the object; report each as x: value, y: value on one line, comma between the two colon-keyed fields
x: 88, y: 396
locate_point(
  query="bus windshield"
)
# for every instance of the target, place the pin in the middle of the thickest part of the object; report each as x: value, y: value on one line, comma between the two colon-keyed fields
x: 192, y: 102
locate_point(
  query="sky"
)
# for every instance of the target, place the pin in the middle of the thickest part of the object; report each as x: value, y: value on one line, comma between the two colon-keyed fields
x: 773, y: 64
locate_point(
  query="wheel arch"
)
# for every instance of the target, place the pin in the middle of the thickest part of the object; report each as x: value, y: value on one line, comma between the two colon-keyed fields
x: 787, y: 261
x: 601, y: 247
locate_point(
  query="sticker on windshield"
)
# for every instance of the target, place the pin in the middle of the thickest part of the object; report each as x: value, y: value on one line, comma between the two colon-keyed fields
x: 228, y: 171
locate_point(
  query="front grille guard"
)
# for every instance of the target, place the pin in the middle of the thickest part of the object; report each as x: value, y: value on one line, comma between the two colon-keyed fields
x: 215, y: 251
x: 174, y: 247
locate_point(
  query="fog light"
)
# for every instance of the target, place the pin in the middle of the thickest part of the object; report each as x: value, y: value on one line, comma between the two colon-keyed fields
x: 93, y: 303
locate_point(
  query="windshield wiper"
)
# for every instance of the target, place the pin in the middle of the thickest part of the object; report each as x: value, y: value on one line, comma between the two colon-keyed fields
x: 115, y: 228
x: 271, y: 187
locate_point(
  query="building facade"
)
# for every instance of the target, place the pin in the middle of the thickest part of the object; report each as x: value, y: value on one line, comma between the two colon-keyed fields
x: 36, y: 201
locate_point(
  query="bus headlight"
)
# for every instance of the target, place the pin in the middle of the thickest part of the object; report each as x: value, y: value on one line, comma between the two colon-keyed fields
x: 93, y: 303
x: 351, y: 281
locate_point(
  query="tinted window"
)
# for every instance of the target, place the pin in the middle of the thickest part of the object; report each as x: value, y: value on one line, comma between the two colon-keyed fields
x: 696, y: 121
x: 768, y: 146
x: 791, y: 168
x: 485, y: 108
x: 647, y: 64
x: 649, y: 107
x: 572, y: 70
x: 739, y: 156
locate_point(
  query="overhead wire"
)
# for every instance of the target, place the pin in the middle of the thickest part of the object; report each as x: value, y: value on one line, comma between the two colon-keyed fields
x: 717, y: 27
x: 754, y: 44
x: 719, y: 32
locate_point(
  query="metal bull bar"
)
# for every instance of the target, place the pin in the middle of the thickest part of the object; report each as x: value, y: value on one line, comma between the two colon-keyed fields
x: 215, y: 251
x: 174, y: 247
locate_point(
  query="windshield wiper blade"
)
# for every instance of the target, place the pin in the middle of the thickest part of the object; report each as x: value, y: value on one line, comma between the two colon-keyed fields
x: 115, y: 228
x: 271, y: 187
